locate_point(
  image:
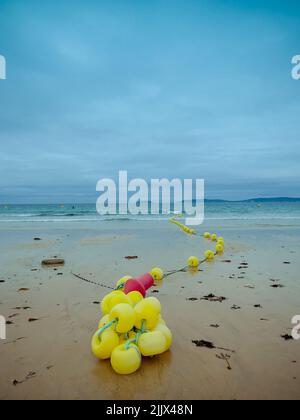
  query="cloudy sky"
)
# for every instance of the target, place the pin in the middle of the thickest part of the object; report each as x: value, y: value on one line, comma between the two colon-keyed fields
x: 164, y: 88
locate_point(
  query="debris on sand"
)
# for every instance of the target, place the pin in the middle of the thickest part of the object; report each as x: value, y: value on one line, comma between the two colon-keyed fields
x: 286, y: 262
x: 225, y: 357
x: 215, y: 325
x: 131, y: 257
x: 249, y: 286
x: 25, y: 308
x: 15, y: 341
x: 258, y: 306
x: 277, y: 286
x: 13, y: 316
x: 37, y: 239
x: 235, y: 307
x: 29, y: 376
x: 53, y: 261
x: 226, y: 261
x: 204, y: 343
x: 23, y: 289
x: 287, y: 337
x: 2, y: 281
x: 209, y: 345
x: 34, y: 319
x: 213, y: 298
x: 192, y: 299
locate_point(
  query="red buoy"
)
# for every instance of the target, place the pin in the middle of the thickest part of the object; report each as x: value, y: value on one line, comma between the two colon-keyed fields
x: 140, y: 284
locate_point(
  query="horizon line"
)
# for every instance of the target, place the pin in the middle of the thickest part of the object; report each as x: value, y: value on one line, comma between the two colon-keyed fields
x: 254, y: 199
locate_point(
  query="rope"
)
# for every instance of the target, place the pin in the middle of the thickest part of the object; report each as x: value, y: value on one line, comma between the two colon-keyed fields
x: 137, y: 337
x: 127, y: 344
x: 92, y: 282
x: 184, y: 269
x: 105, y: 327
x: 121, y: 286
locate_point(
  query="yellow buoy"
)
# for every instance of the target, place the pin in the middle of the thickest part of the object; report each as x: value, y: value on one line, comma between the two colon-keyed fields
x: 115, y: 299
x: 120, y: 298
x: 219, y: 248
x: 207, y: 235
x: 104, y: 321
x: 152, y: 343
x: 154, y: 302
x: 126, y: 359
x: 214, y: 237
x: 103, y: 344
x: 209, y: 255
x: 122, y: 282
x: 193, y: 262
x: 188, y: 230
x: 105, y: 303
x: 220, y: 239
x: 183, y: 227
x: 148, y: 310
x: 167, y: 334
x: 157, y: 273
x: 124, y: 315
x: 135, y: 297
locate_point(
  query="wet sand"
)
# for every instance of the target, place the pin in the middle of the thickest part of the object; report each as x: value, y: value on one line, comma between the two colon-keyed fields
x: 50, y: 357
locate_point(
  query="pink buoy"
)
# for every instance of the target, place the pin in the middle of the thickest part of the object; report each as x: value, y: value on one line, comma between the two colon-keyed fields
x: 146, y: 280
x: 133, y: 285
x: 140, y: 284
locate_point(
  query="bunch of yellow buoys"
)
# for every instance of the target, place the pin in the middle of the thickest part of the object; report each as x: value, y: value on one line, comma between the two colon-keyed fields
x: 183, y: 227
x: 220, y: 244
x: 194, y: 262
x: 131, y: 326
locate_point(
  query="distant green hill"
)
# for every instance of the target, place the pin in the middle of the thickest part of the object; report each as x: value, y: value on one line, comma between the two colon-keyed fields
x: 276, y: 200
x: 259, y: 200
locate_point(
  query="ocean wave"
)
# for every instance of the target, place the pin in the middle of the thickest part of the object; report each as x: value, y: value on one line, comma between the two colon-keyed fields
x: 69, y: 219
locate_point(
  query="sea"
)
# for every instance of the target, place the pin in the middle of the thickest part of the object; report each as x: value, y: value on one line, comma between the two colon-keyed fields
x: 214, y: 210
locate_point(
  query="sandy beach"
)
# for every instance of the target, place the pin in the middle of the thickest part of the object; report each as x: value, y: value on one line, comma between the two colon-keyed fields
x: 52, y: 314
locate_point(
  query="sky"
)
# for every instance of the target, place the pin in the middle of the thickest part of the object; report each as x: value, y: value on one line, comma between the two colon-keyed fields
x: 163, y: 88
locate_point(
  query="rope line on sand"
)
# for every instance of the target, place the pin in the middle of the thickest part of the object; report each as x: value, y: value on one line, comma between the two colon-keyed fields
x: 92, y: 282
x: 184, y: 269
x: 168, y: 274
